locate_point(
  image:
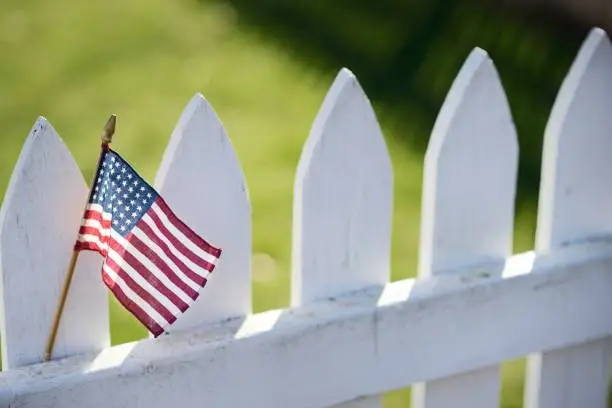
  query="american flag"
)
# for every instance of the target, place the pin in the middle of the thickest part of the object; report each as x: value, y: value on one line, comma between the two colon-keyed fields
x: 154, y: 264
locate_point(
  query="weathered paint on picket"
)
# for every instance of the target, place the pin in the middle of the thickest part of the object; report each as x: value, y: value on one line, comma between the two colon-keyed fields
x: 468, y: 205
x: 39, y: 222
x: 343, y: 200
x: 201, y: 179
x: 576, y: 205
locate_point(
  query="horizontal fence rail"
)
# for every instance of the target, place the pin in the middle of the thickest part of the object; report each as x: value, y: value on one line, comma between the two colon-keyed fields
x: 376, y: 340
x: 350, y: 335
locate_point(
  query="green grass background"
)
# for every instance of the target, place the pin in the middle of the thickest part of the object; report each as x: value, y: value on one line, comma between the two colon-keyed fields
x: 265, y: 67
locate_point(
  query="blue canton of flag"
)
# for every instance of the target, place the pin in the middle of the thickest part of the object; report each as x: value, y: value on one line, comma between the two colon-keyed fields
x: 155, y: 265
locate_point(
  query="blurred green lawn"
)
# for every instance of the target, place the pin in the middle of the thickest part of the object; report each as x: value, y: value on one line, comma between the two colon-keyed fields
x: 76, y: 62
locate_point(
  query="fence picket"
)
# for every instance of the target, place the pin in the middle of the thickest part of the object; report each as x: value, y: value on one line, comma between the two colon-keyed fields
x: 468, y: 205
x: 343, y: 199
x: 576, y: 204
x: 201, y: 179
x: 39, y: 222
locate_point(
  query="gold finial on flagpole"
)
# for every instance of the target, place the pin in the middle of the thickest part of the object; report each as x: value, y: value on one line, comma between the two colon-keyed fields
x: 109, y: 130
x: 107, y: 137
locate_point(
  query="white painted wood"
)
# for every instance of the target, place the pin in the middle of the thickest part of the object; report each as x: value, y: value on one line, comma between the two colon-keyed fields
x: 361, y: 402
x: 575, y: 204
x: 39, y: 222
x: 372, y: 341
x: 343, y: 199
x: 468, y: 205
x: 443, y: 393
x: 584, y: 368
x: 343, y: 202
x: 201, y: 179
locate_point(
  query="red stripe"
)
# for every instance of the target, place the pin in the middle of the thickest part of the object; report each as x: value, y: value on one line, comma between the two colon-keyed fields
x: 188, y: 232
x: 144, y: 295
x: 177, y: 244
x: 148, y: 231
x: 148, y: 275
x: 97, y: 216
x: 93, y: 231
x: 161, y: 265
x: 132, y: 307
x: 89, y: 246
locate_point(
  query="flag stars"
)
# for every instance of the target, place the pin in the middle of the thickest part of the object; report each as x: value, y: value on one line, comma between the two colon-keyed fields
x: 122, y: 193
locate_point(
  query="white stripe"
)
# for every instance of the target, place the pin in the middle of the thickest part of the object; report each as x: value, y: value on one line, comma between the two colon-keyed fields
x: 134, y: 297
x: 97, y: 225
x: 99, y: 209
x: 151, y: 267
x: 195, y: 268
x: 137, y: 232
x: 161, y: 298
x: 94, y: 239
x: 181, y: 237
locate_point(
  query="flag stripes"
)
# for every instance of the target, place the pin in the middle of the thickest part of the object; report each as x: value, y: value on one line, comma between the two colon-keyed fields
x: 156, y: 271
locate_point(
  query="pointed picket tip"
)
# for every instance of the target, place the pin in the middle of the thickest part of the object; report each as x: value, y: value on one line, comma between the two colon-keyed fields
x: 342, y: 198
x: 201, y: 179
x: 470, y: 172
x: 595, y: 46
x: 574, y: 196
x: 39, y: 221
x: 344, y: 79
x: 477, y: 80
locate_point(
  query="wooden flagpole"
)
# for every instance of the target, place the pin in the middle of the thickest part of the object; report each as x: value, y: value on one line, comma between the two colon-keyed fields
x: 106, y: 138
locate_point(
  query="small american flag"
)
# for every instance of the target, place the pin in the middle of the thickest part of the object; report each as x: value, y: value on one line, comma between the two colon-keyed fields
x: 154, y: 264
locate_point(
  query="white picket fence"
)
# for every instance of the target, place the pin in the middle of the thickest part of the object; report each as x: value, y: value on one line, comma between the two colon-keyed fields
x: 350, y: 334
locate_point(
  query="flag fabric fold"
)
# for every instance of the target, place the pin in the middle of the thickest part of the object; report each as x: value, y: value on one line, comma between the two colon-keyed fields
x: 154, y: 264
